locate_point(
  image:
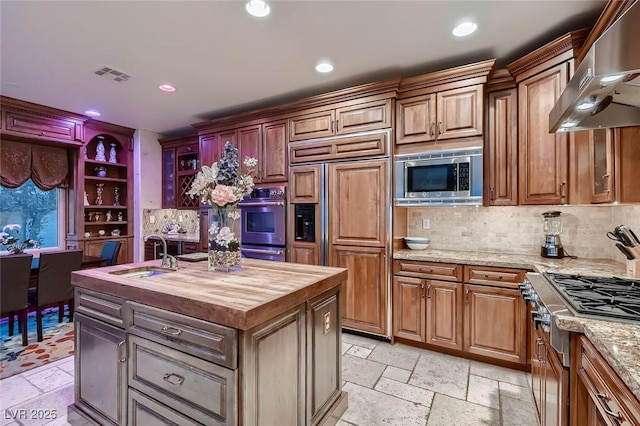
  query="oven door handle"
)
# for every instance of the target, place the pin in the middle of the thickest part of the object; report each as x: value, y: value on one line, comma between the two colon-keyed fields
x: 262, y: 251
x: 263, y: 203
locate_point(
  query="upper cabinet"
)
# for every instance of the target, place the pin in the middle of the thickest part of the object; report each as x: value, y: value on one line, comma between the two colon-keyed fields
x: 450, y: 114
x: 541, y: 76
x: 267, y: 143
x: 341, y: 120
x: 180, y: 164
x: 443, y: 106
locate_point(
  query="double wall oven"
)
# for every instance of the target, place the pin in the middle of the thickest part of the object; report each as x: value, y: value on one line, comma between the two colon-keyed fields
x: 264, y: 224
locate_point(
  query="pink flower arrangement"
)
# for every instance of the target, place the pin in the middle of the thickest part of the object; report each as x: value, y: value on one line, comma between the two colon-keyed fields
x: 223, y: 195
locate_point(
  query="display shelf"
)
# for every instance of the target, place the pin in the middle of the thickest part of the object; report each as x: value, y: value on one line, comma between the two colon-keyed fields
x: 105, y: 207
x: 104, y: 163
x: 104, y: 222
x: 107, y: 179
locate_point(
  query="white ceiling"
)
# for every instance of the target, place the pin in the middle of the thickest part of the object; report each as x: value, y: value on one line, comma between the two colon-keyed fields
x: 223, y: 60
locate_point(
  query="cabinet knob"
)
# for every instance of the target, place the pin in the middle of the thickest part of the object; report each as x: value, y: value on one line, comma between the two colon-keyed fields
x: 172, y: 331
x: 173, y: 378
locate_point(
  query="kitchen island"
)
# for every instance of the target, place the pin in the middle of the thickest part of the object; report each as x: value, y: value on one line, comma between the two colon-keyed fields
x: 257, y: 346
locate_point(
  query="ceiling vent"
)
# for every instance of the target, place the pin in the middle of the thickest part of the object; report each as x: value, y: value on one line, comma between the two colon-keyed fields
x: 113, y: 74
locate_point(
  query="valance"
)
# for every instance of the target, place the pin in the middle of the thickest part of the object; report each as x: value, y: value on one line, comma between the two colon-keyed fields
x: 47, y: 166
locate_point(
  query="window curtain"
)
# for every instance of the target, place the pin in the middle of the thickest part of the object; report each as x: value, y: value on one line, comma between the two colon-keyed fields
x: 47, y: 166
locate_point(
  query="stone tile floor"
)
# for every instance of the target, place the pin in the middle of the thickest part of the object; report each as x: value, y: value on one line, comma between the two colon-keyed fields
x: 387, y: 385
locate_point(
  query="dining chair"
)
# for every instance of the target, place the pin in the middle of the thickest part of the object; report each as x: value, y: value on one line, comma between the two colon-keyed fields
x: 54, y: 284
x: 110, y: 251
x: 14, y: 293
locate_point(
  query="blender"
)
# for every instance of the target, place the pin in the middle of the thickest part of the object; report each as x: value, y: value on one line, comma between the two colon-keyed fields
x: 552, y: 227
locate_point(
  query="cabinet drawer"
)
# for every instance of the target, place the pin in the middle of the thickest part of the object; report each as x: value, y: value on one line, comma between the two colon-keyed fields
x: 199, y: 389
x: 44, y: 127
x: 213, y: 342
x: 100, y: 306
x: 605, y: 387
x: 145, y: 411
x: 431, y: 270
x: 190, y: 247
x: 500, y: 277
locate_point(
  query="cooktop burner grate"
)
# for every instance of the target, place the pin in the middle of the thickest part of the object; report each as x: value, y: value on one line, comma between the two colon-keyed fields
x: 600, y: 296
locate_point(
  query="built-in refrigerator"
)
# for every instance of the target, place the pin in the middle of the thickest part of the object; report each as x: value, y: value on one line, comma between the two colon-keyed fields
x: 340, y: 215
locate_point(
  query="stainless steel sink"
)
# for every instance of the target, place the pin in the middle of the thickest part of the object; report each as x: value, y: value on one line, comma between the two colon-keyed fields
x: 144, y: 272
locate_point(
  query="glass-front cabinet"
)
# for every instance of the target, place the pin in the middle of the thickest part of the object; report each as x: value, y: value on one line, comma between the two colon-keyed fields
x: 602, y: 166
x: 180, y: 164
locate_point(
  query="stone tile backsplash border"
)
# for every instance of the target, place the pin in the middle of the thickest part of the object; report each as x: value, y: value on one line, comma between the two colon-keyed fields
x: 518, y: 229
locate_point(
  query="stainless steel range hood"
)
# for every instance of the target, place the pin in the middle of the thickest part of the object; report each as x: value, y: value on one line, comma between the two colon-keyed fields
x: 605, y: 89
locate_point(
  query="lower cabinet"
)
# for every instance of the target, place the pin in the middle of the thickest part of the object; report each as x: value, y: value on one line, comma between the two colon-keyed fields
x: 484, y: 315
x: 94, y: 248
x: 140, y: 365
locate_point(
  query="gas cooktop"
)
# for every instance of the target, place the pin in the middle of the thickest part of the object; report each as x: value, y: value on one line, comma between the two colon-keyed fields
x: 599, y: 296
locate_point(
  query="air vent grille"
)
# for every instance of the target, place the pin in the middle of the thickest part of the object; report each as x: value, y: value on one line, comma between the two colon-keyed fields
x: 113, y: 74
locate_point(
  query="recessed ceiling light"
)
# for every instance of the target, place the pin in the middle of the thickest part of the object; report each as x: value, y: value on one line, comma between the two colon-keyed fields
x: 610, y: 78
x: 167, y: 88
x: 324, y: 67
x: 92, y: 113
x: 258, y: 8
x: 465, y: 29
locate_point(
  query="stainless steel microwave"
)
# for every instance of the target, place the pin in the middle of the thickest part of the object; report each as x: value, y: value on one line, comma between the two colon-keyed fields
x: 451, y: 177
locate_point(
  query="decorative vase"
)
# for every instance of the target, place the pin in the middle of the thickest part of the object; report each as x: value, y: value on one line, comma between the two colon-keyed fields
x: 100, y: 153
x: 112, y: 154
x: 225, y: 232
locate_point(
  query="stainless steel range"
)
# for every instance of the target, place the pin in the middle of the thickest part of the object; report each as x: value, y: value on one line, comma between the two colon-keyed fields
x: 602, y: 298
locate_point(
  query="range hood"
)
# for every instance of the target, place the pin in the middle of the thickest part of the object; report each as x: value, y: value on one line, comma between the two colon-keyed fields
x: 605, y: 89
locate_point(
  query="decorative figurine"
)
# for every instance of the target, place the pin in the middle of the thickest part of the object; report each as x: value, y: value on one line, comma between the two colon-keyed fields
x: 120, y: 217
x: 99, y: 187
x: 100, y: 150
x: 86, y: 156
x: 116, y: 196
x: 101, y: 171
x: 108, y: 219
x: 86, y: 199
x: 96, y: 216
x: 112, y: 154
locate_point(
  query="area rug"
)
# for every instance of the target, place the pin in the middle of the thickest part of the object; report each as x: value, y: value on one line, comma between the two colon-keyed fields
x: 57, y: 344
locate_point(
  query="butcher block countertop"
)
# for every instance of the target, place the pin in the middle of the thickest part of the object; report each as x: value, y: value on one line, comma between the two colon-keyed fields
x: 243, y: 299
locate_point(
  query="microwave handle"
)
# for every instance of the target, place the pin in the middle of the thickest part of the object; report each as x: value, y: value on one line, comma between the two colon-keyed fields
x: 263, y: 203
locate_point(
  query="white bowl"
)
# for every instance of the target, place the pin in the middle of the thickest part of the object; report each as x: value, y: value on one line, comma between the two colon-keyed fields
x: 417, y: 243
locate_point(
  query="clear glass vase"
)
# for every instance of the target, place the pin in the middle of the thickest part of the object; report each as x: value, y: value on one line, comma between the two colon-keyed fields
x: 225, y: 232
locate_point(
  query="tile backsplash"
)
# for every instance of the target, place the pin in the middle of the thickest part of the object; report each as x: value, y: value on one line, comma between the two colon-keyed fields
x: 519, y: 229
x: 190, y: 220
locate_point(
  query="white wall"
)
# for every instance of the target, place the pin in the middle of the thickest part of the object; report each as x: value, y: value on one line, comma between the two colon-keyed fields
x: 147, y: 157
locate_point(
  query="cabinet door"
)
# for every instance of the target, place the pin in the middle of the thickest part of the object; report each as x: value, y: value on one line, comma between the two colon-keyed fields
x: 416, y: 119
x: 306, y: 253
x: 169, y: 178
x: 304, y: 184
x: 627, y: 152
x: 274, y: 158
x: 205, y: 148
x: 555, y: 389
x: 602, y: 175
x: 409, y: 308
x: 364, y: 294
x: 358, y: 203
x: 459, y: 113
x: 444, y: 314
x: 250, y: 145
x: 313, y: 125
x: 542, y: 171
x: 204, y: 229
x: 495, y: 323
x: 502, y: 149
x: 101, y: 376
x: 363, y: 117
x: 94, y: 248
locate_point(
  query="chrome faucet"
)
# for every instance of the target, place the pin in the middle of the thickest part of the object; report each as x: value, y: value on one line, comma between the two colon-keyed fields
x: 168, y: 261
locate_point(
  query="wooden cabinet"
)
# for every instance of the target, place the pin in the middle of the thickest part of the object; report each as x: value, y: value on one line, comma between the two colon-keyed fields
x: 211, y: 145
x: 409, y: 308
x: 501, y: 155
x: 305, y: 188
x: 598, y: 395
x: 450, y: 114
x: 104, y: 199
x: 542, y: 155
x: 180, y: 164
x: 304, y: 185
x: 268, y: 144
x: 364, y: 302
x: 341, y: 120
x: 550, y: 382
x: 25, y: 120
x: 444, y: 314
x: 601, y: 170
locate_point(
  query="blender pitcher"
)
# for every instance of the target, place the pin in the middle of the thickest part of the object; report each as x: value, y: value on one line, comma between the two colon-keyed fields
x: 552, y: 228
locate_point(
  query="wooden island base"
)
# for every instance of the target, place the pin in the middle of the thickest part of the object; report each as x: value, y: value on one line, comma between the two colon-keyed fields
x: 148, y: 351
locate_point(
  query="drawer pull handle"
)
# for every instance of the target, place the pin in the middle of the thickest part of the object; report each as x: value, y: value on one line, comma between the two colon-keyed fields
x: 487, y: 276
x: 426, y: 270
x: 171, y: 331
x: 168, y: 378
x: 121, y: 346
x: 604, y: 397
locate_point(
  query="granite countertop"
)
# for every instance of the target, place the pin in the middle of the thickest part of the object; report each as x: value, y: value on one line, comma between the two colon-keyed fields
x: 189, y: 238
x: 259, y: 291
x: 618, y: 342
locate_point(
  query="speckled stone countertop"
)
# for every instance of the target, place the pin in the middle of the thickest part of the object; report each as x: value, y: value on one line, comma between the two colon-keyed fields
x: 617, y: 342
x: 189, y: 238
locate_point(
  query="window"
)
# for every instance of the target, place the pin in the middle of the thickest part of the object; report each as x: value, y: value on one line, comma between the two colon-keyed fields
x: 38, y: 214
